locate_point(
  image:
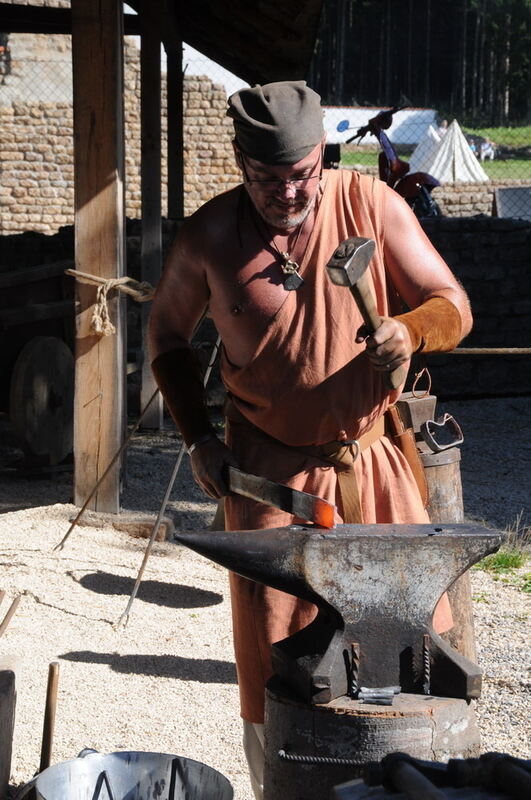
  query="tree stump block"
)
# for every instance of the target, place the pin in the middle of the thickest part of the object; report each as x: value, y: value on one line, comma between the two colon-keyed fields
x: 432, y: 728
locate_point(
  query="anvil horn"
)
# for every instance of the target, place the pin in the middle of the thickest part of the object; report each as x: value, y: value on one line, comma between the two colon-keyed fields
x: 271, y: 556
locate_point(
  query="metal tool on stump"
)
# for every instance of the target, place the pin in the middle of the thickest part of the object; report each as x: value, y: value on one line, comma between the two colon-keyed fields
x: 348, y: 267
x: 376, y: 587
x: 437, y: 442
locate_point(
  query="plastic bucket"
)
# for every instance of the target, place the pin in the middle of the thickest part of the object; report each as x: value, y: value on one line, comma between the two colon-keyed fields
x: 132, y: 776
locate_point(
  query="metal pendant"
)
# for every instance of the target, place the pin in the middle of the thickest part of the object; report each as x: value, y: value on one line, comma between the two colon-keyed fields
x: 293, y: 282
x: 290, y: 268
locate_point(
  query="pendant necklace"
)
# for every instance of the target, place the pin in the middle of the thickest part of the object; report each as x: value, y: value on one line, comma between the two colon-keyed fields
x: 288, y: 265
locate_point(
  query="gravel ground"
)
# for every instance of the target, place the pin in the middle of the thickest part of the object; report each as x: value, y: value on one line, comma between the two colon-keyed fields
x: 167, y: 681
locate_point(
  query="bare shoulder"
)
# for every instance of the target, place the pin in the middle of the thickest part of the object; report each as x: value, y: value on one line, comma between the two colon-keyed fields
x: 210, y: 227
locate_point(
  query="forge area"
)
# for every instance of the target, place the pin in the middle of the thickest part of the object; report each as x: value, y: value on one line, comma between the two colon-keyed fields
x: 167, y: 682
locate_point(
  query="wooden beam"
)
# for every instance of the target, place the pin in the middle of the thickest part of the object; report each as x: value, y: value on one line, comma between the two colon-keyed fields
x: 151, y: 249
x: 99, y: 407
x: 174, y: 77
x: 39, y: 19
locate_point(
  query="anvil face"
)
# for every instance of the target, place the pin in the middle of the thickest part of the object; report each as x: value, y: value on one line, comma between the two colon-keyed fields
x: 375, y: 585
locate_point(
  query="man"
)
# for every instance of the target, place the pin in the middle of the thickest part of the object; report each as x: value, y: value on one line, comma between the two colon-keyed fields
x: 303, y: 378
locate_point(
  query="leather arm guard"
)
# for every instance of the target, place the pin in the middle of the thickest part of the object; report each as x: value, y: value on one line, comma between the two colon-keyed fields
x: 434, y: 327
x: 179, y: 378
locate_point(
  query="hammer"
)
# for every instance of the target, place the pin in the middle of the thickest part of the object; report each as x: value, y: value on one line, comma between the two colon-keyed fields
x: 348, y: 267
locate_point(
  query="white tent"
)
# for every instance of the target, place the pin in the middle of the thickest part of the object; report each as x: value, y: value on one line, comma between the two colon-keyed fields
x: 453, y: 161
x: 423, y: 153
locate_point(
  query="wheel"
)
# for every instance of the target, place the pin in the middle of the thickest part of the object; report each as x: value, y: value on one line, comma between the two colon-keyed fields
x: 41, y: 399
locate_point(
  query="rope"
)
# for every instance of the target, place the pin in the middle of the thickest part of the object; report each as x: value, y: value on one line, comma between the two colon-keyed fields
x: 101, y: 323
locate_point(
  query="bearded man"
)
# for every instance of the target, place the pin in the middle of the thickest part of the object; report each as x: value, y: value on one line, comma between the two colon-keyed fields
x: 303, y: 378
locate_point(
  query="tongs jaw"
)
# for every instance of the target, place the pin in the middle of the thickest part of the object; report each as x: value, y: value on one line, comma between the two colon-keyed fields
x: 441, y: 434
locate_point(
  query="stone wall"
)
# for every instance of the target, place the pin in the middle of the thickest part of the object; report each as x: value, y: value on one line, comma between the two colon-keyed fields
x: 36, y: 140
x: 468, y: 199
x: 491, y: 259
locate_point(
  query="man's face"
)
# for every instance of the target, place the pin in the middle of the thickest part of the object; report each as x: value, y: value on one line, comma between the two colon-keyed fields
x: 282, y: 194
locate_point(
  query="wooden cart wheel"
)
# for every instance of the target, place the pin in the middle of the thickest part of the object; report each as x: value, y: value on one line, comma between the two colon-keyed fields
x: 41, y: 399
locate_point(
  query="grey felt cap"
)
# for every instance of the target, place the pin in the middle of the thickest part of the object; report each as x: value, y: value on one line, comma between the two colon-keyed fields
x: 278, y: 123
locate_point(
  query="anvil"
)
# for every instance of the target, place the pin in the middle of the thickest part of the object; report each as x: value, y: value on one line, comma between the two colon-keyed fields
x: 375, y: 586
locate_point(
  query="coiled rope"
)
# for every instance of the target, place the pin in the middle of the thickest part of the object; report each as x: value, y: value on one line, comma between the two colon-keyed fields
x: 101, y: 323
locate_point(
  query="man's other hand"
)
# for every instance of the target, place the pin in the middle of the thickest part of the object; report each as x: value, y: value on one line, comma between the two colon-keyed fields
x: 389, y: 346
x: 209, y: 461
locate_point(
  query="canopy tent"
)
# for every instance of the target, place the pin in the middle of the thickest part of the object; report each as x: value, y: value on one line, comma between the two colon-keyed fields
x: 452, y: 161
x: 425, y: 150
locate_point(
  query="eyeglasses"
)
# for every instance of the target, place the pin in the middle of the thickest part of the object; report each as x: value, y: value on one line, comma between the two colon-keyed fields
x: 296, y: 183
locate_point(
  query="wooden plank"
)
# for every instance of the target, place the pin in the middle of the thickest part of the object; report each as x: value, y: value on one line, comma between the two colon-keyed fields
x: 174, y: 77
x: 99, y: 408
x: 18, y: 277
x: 151, y: 248
x: 34, y: 19
x: 8, y: 696
x: 36, y: 312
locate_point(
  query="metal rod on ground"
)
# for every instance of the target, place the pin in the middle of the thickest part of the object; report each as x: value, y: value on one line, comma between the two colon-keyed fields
x: 9, y: 614
x: 49, y: 715
x: 490, y: 351
x: 116, y: 455
x: 125, y: 616
x: 100, y: 481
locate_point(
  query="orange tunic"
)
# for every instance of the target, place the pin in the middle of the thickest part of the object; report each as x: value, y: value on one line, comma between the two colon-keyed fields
x: 307, y: 380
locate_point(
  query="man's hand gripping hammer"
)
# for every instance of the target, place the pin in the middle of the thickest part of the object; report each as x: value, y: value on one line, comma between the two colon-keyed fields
x: 348, y: 267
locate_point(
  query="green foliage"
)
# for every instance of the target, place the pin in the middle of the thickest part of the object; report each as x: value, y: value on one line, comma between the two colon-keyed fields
x: 516, y: 137
x: 365, y: 159
x: 503, y: 561
x: 513, y: 555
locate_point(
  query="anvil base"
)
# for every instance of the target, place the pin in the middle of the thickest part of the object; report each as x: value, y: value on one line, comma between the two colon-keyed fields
x: 432, y: 728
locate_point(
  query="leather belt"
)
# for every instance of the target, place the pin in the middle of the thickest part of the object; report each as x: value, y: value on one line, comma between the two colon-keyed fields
x: 340, y: 455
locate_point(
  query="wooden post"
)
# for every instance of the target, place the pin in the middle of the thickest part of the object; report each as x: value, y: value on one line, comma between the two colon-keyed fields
x: 174, y: 75
x: 151, y: 255
x: 99, y: 406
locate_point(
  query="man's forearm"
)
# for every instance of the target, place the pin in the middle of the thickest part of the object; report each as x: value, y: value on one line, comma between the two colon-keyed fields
x: 179, y: 378
x: 433, y: 327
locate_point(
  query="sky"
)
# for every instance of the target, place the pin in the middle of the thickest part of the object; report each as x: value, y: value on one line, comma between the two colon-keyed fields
x: 195, y: 63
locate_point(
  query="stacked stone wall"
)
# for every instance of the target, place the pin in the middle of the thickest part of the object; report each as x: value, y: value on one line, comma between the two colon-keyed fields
x: 469, y: 199
x: 36, y: 150
x: 491, y: 258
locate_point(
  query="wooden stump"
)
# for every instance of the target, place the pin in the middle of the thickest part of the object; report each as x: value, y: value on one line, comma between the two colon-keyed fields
x: 443, y: 475
x: 7, y: 723
x: 433, y: 728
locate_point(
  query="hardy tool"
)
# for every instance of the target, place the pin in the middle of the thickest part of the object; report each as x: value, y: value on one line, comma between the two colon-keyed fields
x: 348, y: 267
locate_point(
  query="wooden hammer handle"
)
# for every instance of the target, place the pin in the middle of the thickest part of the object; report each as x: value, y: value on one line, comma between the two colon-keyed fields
x: 363, y: 296
x: 49, y: 715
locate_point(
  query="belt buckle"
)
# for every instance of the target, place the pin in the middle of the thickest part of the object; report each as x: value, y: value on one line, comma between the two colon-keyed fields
x: 350, y: 443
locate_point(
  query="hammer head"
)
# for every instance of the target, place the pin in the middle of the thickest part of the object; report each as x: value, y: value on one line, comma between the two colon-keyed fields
x: 350, y: 260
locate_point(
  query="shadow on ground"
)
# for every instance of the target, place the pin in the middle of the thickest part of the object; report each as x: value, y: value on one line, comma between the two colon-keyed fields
x: 172, y: 595
x: 202, y: 670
